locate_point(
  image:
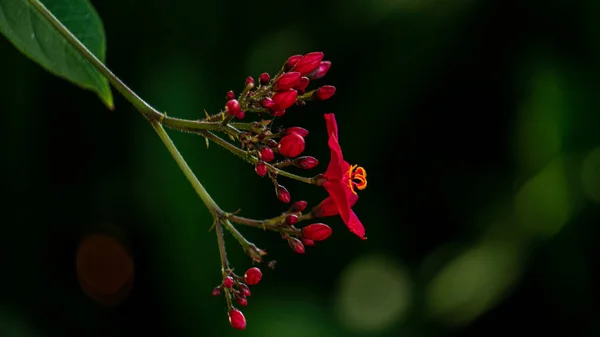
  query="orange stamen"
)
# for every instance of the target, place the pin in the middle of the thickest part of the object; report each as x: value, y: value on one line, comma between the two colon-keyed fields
x: 357, y: 176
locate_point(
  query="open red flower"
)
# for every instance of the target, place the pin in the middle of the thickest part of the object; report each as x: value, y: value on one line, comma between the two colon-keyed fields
x: 341, y: 181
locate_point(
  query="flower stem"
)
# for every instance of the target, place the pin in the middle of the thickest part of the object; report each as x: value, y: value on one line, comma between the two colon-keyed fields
x: 224, y: 263
x: 187, y: 171
x: 153, y: 115
x: 251, y: 159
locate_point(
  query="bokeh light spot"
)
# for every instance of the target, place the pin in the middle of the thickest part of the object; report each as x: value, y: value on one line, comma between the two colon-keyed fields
x: 104, y: 269
x: 473, y: 282
x: 374, y: 293
x: 544, y: 204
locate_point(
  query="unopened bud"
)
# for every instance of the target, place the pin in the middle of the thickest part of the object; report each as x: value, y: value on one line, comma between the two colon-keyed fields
x: 237, y: 319
x: 302, y: 84
x: 249, y: 80
x: 267, y: 103
x: 230, y: 95
x: 217, y: 291
x: 291, y: 219
x: 306, y: 162
x: 309, y: 63
x: 286, y: 81
x: 241, y: 300
x: 244, y: 290
x: 228, y: 282
x: 292, y: 61
x: 321, y: 71
x: 285, y: 99
x: 267, y: 154
x: 252, y: 276
x: 282, y: 193
x: 296, y: 245
x: 308, y: 242
x: 297, y: 130
x: 233, y: 107
x: 298, y: 206
x: 291, y: 145
x: 264, y: 78
x: 261, y: 168
x: 316, y: 232
x: 324, y: 92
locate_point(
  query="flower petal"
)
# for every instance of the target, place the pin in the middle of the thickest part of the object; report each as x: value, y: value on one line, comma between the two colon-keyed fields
x: 327, y: 207
x: 355, y: 226
x: 343, y: 197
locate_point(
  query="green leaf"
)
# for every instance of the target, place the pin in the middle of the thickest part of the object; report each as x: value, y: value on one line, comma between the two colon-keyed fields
x: 37, y: 38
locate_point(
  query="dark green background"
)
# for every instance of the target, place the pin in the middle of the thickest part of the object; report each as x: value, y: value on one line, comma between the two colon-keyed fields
x: 476, y: 120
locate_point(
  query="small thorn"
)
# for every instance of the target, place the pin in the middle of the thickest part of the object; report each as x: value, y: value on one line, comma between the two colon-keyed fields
x: 232, y: 138
x: 213, y: 226
x: 207, y: 142
x: 206, y: 114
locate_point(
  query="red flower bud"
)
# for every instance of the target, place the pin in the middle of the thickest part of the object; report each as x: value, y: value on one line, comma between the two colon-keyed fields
x: 302, y: 84
x: 291, y: 145
x: 267, y: 154
x: 299, y: 206
x: 244, y: 290
x: 216, y: 291
x: 285, y: 99
x: 324, y: 92
x: 309, y: 63
x: 233, y: 107
x: 278, y: 113
x: 237, y: 319
x: 308, y: 242
x: 249, y: 80
x: 241, y: 300
x: 264, y: 78
x: 252, y: 276
x: 230, y: 95
x: 291, y: 219
x: 306, y: 162
x: 282, y: 194
x: 271, y: 142
x: 297, y: 130
x: 292, y: 61
x: 261, y: 168
x: 228, y: 282
x: 316, y: 232
x: 286, y: 81
x: 240, y: 115
x: 320, y: 71
x: 296, y: 245
x: 267, y: 103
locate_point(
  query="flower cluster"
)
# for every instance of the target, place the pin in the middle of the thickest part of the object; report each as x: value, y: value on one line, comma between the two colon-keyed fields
x: 273, y: 151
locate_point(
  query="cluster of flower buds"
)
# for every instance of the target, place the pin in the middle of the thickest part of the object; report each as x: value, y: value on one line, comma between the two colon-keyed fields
x: 272, y: 150
x: 274, y: 95
x: 299, y: 238
x: 236, y: 288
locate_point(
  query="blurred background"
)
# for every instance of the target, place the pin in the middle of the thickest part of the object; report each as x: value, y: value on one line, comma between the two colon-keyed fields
x: 476, y: 120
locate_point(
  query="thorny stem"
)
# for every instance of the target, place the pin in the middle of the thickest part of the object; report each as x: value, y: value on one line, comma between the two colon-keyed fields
x: 187, y: 171
x: 223, y: 254
x: 237, y: 235
x: 251, y: 159
x: 273, y: 224
x: 153, y: 115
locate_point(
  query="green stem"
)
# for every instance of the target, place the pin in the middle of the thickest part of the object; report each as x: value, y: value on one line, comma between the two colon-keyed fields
x: 224, y: 263
x: 187, y: 171
x: 251, y: 159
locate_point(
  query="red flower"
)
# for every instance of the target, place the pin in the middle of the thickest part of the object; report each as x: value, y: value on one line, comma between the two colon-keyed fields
x: 341, y: 180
